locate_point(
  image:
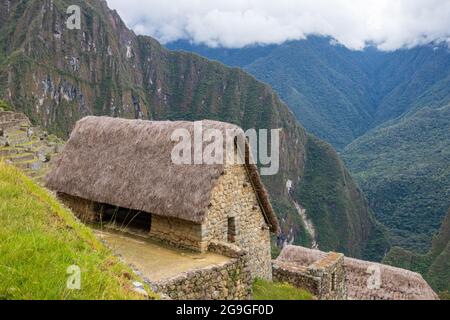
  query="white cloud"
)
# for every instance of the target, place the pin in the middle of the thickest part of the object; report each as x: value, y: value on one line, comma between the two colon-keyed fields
x: 389, y: 24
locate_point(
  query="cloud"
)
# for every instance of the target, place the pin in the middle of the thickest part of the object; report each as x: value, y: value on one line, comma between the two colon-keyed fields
x: 388, y: 24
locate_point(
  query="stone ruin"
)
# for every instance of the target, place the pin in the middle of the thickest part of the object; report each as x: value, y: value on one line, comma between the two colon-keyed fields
x: 25, y: 146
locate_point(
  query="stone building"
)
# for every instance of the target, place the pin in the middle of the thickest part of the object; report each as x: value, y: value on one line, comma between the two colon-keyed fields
x: 111, y: 167
x: 323, y: 277
x: 333, y: 276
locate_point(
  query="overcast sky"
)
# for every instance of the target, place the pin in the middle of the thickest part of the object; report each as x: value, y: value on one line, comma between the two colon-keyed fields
x: 389, y: 24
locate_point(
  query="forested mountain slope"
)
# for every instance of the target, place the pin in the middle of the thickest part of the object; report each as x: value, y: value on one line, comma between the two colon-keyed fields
x: 387, y: 113
x: 434, y: 266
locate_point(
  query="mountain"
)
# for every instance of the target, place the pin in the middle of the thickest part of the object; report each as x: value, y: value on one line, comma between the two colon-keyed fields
x: 323, y: 84
x: 404, y: 169
x: 386, y: 112
x: 57, y: 76
x: 434, y: 266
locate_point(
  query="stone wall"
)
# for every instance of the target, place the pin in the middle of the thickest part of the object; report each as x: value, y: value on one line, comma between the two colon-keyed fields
x: 234, y: 197
x: 324, y: 278
x: 178, y: 233
x: 83, y: 209
x: 231, y: 280
x: 175, y: 232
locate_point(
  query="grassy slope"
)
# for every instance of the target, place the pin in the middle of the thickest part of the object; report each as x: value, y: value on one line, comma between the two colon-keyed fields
x: 265, y: 290
x: 40, y: 239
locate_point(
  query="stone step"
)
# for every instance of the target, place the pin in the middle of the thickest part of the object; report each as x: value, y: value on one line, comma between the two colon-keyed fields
x: 8, y: 116
x: 11, y: 120
x: 31, y: 164
x: 21, y: 157
x: 16, y: 141
x: 17, y: 137
x: 7, y: 151
x: 12, y: 125
x: 33, y: 173
x: 31, y: 145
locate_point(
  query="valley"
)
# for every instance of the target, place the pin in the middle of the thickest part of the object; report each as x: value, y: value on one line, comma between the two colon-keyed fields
x: 385, y: 112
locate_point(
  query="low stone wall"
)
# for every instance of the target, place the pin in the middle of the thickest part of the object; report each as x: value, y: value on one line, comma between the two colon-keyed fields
x: 324, y: 278
x: 229, y: 281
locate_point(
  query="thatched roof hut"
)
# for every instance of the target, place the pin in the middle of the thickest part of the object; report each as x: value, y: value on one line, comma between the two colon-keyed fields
x: 127, y: 163
x: 396, y: 283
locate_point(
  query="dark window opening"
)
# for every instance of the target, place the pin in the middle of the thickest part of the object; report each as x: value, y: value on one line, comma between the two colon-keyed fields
x: 231, y: 230
x: 333, y: 281
x: 124, y: 218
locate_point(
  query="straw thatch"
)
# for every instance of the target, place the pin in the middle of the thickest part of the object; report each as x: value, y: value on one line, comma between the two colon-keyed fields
x: 127, y: 163
x: 396, y: 283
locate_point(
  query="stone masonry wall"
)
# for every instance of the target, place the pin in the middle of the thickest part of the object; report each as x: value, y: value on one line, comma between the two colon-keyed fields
x: 324, y: 278
x: 177, y: 232
x: 231, y: 280
x: 234, y: 197
x: 83, y: 209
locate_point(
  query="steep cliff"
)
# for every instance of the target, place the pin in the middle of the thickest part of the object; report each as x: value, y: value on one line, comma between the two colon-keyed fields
x: 56, y: 76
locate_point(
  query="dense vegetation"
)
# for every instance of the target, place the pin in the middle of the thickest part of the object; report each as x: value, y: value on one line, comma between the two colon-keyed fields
x: 39, y: 241
x: 57, y: 76
x: 325, y: 174
x: 404, y: 169
x: 387, y: 112
x: 266, y: 290
x: 434, y: 266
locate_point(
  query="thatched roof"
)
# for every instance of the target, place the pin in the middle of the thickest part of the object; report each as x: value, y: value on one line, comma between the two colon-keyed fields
x: 127, y: 163
x: 396, y: 283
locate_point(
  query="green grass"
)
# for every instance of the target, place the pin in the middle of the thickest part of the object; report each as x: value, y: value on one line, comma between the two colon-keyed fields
x: 40, y: 239
x: 266, y: 290
x: 4, y: 106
